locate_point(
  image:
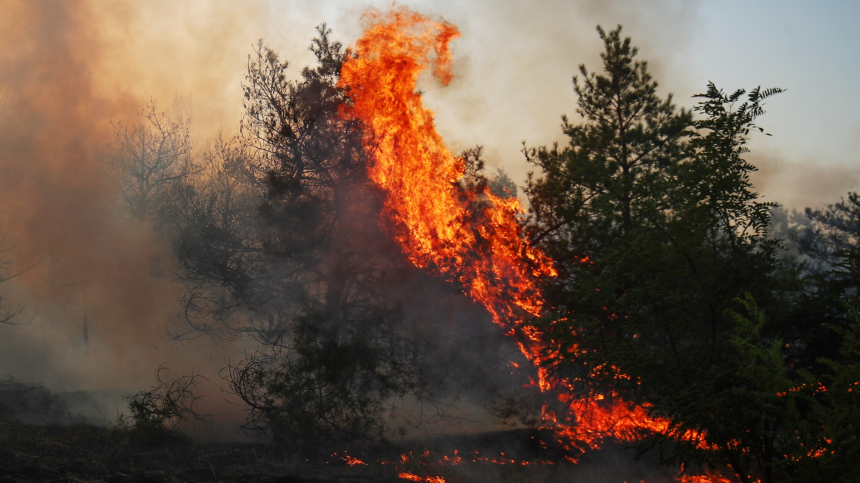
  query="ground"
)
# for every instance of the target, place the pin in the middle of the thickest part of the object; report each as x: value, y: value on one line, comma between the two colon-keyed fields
x: 86, y: 453
x: 45, y: 437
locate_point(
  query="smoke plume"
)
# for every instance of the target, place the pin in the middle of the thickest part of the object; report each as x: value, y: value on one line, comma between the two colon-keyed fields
x: 92, y: 288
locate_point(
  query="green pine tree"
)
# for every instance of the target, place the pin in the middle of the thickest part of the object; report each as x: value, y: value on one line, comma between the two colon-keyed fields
x: 656, y: 230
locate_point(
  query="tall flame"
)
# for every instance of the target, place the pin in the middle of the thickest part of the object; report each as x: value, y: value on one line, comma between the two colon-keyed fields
x: 470, y: 237
x: 428, y: 213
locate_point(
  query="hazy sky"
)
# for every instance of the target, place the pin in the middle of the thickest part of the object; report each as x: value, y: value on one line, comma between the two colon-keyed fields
x: 515, y: 60
x: 812, y: 49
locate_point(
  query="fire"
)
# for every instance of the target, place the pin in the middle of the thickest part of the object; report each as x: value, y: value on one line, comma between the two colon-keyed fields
x: 429, y: 479
x: 351, y: 461
x: 456, y: 458
x: 709, y: 477
x: 704, y: 479
x: 430, y: 216
x: 472, y: 238
x: 348, y: 459
x: 474, y: 456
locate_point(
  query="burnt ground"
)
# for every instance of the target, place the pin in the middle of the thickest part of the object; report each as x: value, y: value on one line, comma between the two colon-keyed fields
x: 42, y: 440
x: 86, y: 453
x: 48, y: 437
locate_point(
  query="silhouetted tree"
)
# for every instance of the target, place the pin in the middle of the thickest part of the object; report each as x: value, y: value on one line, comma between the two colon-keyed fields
x: 833, y: 236
x: 9, y: 270
x: 150, y: 158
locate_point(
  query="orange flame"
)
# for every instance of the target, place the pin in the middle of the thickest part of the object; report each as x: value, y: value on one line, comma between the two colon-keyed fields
x: 429, y: 214
x: 704, y: 479
x: 469, y: 237
x: 710, y: 476
x: 412, y: 477
x: 351, y: 461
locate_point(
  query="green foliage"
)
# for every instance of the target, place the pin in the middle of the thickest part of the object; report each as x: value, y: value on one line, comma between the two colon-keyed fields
x: 603, y: 183
x: 810, y: 418
x: 666, y: 271
x: 656, y: 230
x: 834, y: 422
x: 765, y: 393
x: 715, y: 179
x: 597, y: 200
x: 653, y: 225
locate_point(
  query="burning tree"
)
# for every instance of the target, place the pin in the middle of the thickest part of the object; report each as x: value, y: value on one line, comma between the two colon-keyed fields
x: 455, y: 227
x: 280, y: 240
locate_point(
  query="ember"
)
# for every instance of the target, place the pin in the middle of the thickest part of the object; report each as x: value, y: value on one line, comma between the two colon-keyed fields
x: 704, y: 479
x: 429, y: 479
x: 352, y: 461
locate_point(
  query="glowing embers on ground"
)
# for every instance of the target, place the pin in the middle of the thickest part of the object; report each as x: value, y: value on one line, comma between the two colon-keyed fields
x: 428, y: 479
x: 352, y: 461
x: 412, y: 465
x: 468, y: 236
x: 452, y: 465
x: 456, y: 458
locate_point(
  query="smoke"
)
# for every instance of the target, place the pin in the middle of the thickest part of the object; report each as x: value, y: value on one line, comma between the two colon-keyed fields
x: 799, y: 185
x: 92, y: 290
x: 514, y: 62
x: 55, y: 198
x: 512, y: 81
x: 95, y: 289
